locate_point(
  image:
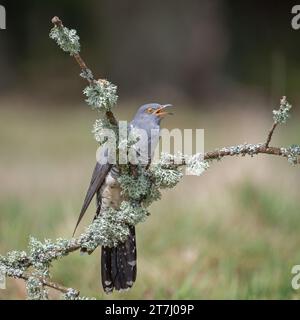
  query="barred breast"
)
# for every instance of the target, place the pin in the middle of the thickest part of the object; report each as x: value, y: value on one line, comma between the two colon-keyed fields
x: 110, y: 192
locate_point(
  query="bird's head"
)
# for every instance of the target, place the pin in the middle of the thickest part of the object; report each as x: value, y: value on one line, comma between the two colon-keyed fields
x: 152, y: 112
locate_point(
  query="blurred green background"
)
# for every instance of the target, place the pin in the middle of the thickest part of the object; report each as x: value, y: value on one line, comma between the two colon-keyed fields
x: 232, y: 233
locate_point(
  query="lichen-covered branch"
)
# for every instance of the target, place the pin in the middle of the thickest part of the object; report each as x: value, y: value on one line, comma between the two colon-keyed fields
x: 101, y: 94
x: 251, y: 150
x: 44, y: 282
x: 280, y: 116
x: 139, y: 188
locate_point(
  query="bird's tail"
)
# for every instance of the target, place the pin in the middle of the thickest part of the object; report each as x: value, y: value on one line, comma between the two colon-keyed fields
x: 118, y: 265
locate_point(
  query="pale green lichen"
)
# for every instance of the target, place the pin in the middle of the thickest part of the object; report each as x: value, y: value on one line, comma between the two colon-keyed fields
x: 73, y: 294
x: 100, y: 130
x: 196, y: 165
x: 242, y: 149
x: 101, y: 95
x: 112, y: 226
x: 129, y: 140
x: 106, y: 230
x: 135, y: 187
x: 35, y: 289
x: 292, y: 153
x: 67, y: 39
x: 283, y: 113
x: 166, y: 177
x: 14, y: 263
x: 166, y: 173
x: 87, y: 74
x: 42, y: 253
x: 131, y: 213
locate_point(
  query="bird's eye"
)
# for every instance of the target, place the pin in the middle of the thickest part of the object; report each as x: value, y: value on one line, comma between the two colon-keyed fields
x: 149, y: 110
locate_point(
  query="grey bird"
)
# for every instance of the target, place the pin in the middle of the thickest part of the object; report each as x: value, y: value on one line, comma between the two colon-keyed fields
x: 119, y: 264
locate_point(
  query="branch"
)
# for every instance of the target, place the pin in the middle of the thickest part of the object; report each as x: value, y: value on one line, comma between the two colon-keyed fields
x: 69, y: 41
x: 245, y: 149
x: 108, y: 229
x: 270, y: 134
x: 50, y: 251
x: 26, y: 276
x: 58, y: 23
x: 280, y: 116
x: 142, y: 188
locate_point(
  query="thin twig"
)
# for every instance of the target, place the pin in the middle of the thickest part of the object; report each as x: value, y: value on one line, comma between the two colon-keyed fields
x: 58, y: 23
x: 83, y: 66
x: 25, y: 276
x: 270, y: 134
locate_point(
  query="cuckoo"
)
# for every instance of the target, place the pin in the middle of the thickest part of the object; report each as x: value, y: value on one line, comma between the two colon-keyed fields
x: 119, y: 264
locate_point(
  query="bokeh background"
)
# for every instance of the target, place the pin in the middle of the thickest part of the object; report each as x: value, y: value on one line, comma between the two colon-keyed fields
x: 232, y: 233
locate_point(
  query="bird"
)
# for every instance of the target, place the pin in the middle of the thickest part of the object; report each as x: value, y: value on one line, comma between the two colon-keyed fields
x: 119, y: 263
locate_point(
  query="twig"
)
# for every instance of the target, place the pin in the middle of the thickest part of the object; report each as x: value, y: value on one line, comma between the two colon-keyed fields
x: 25, y: 276
x: 83, y: 66
x: 57, y: 22
x: 270, y: 134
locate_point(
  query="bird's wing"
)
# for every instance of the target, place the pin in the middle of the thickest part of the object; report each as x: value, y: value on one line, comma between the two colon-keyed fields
x: 98, y: 177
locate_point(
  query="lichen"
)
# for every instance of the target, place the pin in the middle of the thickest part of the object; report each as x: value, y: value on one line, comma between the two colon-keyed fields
x: 242, y: 149
x: 67, y: 39
x: 100, y: 129
x: 35, y: 289
x: 196, y: 165
x: 292, y: 153
x: 283, y: 113
x: 101, y: 95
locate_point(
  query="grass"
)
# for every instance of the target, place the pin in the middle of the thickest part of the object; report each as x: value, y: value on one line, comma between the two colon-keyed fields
x: 232, y: 233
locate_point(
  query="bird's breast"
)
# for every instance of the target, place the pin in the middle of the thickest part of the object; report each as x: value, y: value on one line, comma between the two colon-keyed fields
x: 111, y: 191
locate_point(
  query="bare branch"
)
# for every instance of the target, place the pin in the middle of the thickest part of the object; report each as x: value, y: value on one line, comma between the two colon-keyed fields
x: 270, y: 134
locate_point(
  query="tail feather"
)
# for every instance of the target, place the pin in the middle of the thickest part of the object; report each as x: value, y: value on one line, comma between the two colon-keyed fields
x: 106, y: 273
x: 118, y: 265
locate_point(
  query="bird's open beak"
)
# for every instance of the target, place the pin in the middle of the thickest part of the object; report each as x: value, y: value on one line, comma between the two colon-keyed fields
x: 160, y: 112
